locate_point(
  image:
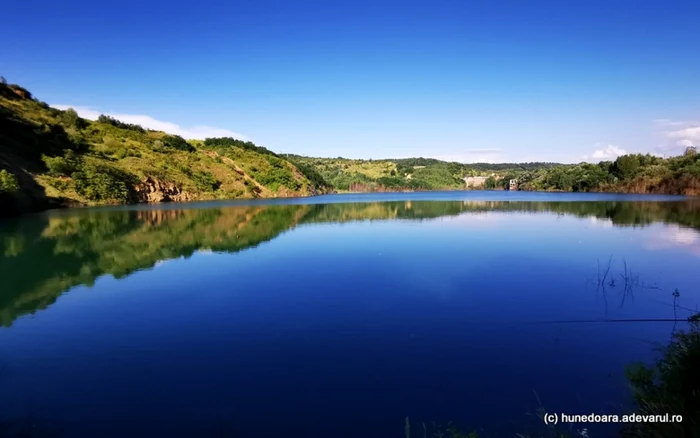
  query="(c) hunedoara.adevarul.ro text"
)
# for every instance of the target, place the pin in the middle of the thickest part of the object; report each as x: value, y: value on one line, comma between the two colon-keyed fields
x: 555, y: 418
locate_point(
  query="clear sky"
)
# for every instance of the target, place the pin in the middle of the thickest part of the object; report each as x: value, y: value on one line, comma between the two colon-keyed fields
x: 464, y: 80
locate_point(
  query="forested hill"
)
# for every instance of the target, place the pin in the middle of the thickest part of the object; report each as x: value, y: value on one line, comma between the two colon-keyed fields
x: 404, y: 173
x: 52, y: 158
x: 634, y: 173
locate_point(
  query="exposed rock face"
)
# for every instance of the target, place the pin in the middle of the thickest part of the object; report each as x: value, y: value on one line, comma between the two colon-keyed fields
x: 21, y: 92
x: 154, y: 190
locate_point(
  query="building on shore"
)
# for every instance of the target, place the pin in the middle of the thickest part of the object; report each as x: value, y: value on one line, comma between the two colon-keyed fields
x: 513, y: 184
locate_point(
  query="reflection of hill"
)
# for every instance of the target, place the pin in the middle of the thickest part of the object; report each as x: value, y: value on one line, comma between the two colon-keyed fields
x: 686, y: 213
x: 42, y: 257
x: 384, y: 210
x: 40, y: 260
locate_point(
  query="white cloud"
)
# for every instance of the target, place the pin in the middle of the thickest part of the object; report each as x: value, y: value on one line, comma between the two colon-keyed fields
x: 688, y: 134
x: 684, y: 143
x: 679, y: 134
x: 193, y: 132
x: 606, y: 153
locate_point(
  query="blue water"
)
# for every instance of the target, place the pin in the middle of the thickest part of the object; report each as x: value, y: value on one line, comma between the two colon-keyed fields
x: 338, y: 315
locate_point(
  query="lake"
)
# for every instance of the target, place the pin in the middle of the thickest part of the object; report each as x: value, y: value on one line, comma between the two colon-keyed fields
x: 339, y: 315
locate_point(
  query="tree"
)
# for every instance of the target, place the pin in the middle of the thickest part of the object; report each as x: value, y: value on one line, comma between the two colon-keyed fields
x: 62, y: 166
x: 8, y: 182
x: 626, y: 166
x: 118, y: 123
x: 101, y: 183
x: 230, y: 141
x: 70, y: 117
x: 177, y: 142
x: 3, y: 81
x: 690, y: 150
x: 490, y: 183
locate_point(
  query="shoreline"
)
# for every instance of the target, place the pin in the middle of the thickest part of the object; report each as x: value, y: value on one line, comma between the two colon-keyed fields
x: 392, y: 196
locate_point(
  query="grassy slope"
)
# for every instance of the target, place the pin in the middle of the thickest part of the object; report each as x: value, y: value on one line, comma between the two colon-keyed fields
x: 31, y: 131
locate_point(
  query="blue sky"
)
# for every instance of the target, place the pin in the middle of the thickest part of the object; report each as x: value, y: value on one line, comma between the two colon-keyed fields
x: 460, y: 80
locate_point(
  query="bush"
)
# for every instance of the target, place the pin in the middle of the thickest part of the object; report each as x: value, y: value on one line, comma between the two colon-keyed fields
x: 212, y: 143
x: 310, y: 173
x: 59, y: 183
x: 672, y: 385
x: 490, y: 183
x: 626, y: 166
x: 205, y: 181
x: 62, y: 166
x: 177, y: 142
x: 70, y: 118
x: 111, y: 145
x: 119, y: 124
x: 8, y: 182
x: 158, y: 146
x: 121, y: 153
x: 278, y: 175
x: 101, y: 183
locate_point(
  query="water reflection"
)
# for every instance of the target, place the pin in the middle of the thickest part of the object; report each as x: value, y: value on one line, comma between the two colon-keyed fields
x: 43, y: 256
x: 676, y: 237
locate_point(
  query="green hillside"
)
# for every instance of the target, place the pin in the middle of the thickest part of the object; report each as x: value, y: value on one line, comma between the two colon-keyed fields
x: 633, y: 173
x: 404, y: 173
x: 52, y: 158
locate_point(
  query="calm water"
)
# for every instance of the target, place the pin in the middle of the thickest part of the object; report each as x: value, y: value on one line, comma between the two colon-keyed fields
x: 338, y: 315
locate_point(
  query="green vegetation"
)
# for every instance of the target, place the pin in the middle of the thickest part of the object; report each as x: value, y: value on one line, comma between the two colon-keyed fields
x: 635, y: 173
x: 100, y: 182
x: 107, y: 120
x: 177, y: 142
x: 229, y: 142
x: 385, y: 175
x: 64, y: 165
x: 8, y: 182
x: 52, y: 158
x: 490, y: 183
x: 671, y: 385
